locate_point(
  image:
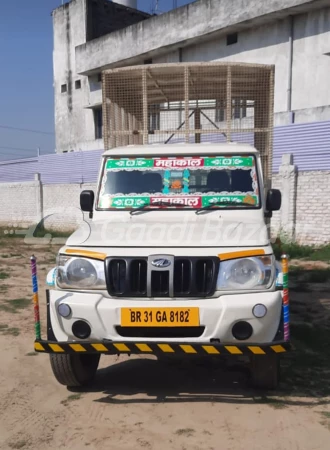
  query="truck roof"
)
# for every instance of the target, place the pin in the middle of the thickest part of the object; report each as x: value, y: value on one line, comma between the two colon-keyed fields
x: 181, y: 149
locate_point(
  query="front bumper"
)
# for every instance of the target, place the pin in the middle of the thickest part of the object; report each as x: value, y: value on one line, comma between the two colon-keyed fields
x: 217, y: 317
x: 161, y: 348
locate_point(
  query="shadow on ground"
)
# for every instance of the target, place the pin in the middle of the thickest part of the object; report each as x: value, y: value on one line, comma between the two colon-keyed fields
x: 305, y: 371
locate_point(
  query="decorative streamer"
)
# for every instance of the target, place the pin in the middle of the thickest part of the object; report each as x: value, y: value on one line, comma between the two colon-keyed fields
x: 167, y: 176
x: 186, y: 177
x: 286, y: 305
x: 35, y: 297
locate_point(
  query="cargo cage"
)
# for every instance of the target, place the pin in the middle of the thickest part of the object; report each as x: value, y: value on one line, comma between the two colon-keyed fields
x: 190, y: 103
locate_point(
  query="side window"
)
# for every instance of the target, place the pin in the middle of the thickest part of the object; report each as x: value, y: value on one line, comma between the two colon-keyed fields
x: 98, y: 123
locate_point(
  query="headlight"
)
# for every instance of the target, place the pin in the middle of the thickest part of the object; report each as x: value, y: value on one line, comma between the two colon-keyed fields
x: 246, y: 273
x: 80, y: 273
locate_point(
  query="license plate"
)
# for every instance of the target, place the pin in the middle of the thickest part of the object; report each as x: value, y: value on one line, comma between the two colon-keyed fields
x: 160, y: 317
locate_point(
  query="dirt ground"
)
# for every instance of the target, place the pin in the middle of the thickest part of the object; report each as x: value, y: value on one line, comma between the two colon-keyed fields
x: 140, y: 403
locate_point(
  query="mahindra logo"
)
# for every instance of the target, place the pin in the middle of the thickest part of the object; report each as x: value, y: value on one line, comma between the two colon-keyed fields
x: 161, y: 262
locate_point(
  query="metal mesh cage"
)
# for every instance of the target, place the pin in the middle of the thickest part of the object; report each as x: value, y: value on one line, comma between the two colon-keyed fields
x: 192, y: 103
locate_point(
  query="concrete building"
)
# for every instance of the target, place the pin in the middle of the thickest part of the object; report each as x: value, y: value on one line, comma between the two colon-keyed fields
x: 92, y: 35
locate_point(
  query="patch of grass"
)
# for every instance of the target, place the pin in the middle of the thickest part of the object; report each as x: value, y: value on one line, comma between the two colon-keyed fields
x: 3, y: 288
x: 5, y: 234
x: 71, y: 398
x: 326, y: 422
x: 14, y: 306
x: 40, y: 231
x: 14, y: 255
x: 4, y: 256
x: 3, y: 326
x: 321, y: 254
x: 298, y: 251
x: 18, y: 444
x: 185, y: 432
x: 32, y: 354
x: 4, y: 275
x: 273, y: 402
x: 293, y: 250
x: 10, y: 331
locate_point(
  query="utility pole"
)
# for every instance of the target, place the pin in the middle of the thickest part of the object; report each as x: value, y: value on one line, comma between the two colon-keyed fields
x: 38, y: 151
x: 175, y: 4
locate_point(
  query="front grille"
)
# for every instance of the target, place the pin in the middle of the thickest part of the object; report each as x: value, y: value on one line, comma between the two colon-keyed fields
x: 186, y: 277
x: 158, y: 332
x: 127, y: 277
x: 160, y: 283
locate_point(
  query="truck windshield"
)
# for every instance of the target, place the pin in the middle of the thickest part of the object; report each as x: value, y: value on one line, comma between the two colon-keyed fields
x: 179, y: 183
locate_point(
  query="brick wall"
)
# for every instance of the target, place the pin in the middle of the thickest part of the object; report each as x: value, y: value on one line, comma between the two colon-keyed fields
x: 304, y: 216
x: 61, y: 205
x: 19, y: 203
x: 313, y: 207
x: 24, y: 204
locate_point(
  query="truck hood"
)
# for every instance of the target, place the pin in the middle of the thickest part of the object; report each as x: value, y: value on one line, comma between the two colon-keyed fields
x: 193, y: 231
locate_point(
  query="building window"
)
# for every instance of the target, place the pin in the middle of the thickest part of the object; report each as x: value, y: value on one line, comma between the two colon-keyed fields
x: 154, y: 118
x: 220, y: 111
x: 99, y: 77
x: 64, y: 88
x: 147, y: 61
x: 232, y: 39
x: 77, y: 84
x: 98, y: 123
x: 239, y: 109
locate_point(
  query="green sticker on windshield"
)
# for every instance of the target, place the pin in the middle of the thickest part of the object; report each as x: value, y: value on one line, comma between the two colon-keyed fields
x: 136, y: 163
x: 129, y: 202
x: 216, y: 199
x: 229, y: 162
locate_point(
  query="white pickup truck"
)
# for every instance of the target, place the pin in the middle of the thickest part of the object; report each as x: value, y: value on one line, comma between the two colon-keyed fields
x: 176, y: 260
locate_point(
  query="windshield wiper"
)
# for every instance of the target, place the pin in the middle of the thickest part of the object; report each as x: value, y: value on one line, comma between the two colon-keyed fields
x: 217, y: 203
x: 147, y: 205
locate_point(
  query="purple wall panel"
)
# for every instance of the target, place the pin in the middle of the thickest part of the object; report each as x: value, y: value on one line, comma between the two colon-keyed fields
x: 309, y: 143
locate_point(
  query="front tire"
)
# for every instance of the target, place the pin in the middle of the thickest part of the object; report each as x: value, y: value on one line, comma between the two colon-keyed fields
x: 74, y: 370
x: 265, y: 371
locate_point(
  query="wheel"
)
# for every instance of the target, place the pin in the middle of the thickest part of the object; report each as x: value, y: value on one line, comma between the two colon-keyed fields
x: 74, y: 370
x: 265, y: 371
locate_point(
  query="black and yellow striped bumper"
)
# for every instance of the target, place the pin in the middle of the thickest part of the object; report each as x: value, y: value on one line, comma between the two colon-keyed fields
x: 114, y: 348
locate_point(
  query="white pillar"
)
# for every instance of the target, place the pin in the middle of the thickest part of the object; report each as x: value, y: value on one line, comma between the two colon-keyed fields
x: 39, y: 205
x: 288, y: 174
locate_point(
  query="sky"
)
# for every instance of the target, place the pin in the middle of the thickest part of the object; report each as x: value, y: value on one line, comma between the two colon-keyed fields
x: 26, y: 74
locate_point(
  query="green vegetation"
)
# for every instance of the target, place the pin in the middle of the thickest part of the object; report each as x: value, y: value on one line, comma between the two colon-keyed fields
x: 185, y: 432
x: 40, y: 232
x: 3, y: 288
x: 32, y: 354
x: 297, y: 251
x: 14, y: 306
x: 273, y: 402
x: 5, y: 330
x: 4, y: 275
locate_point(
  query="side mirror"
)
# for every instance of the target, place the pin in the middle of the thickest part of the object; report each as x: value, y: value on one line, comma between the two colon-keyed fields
x: 87, y: 202
x: 273, y: 200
